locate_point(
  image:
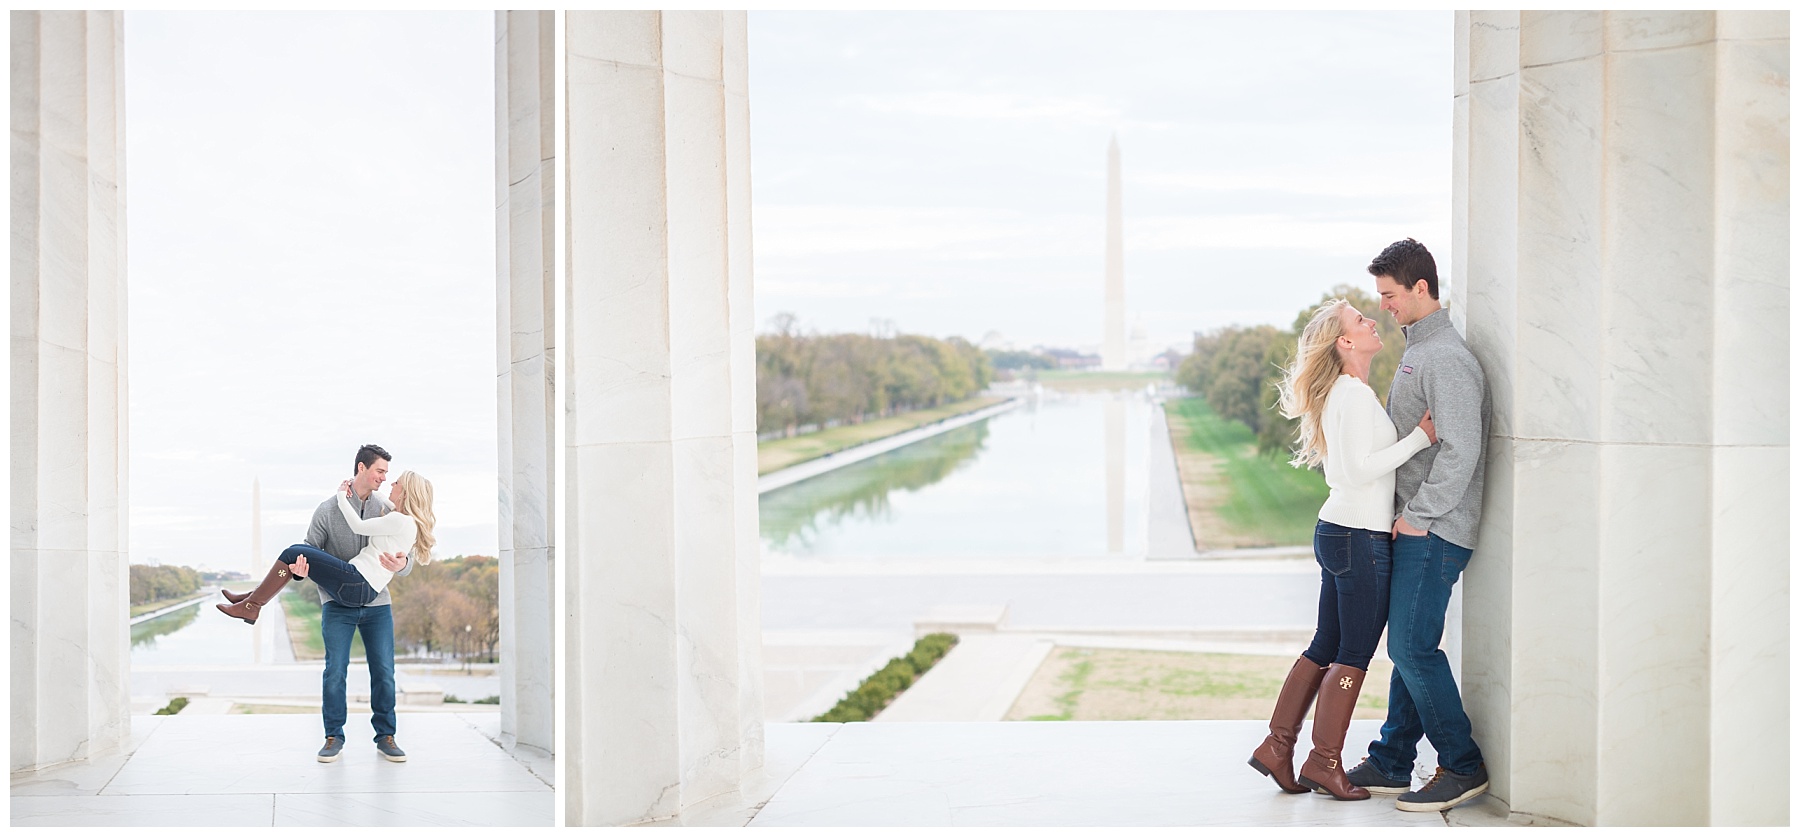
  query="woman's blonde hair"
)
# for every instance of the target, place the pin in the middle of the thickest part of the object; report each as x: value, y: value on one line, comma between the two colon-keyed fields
x: 1307, y: 381
x: 417, y: 505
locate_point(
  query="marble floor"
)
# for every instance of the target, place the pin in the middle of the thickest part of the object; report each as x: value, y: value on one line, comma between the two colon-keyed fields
x: 261, y: 770
x: 1143, y: 773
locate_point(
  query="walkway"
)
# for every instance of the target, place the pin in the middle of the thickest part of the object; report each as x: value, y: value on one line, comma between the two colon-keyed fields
x: 261, y: 770
x: 1121, y: 773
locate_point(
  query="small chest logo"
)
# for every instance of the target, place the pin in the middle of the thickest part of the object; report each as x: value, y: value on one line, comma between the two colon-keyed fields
x: 1406, y: 369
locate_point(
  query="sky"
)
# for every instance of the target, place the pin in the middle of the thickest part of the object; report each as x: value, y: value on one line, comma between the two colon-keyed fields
x: 947, y: 171
x: 310, y: 215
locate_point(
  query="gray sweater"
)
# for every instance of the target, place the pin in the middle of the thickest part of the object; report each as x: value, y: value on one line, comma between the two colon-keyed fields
x: 330, y: 532
x: 1439, y: 489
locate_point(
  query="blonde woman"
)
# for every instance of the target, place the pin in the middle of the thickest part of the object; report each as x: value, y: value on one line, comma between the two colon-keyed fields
x: 1343, y: 428
x: 358, y: 581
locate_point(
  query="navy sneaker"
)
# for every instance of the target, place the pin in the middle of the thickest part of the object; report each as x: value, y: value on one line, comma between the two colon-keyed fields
x: 392, y: 752
x: 1445, y: 790
x: 333, y: 746
x: 1365, y: 776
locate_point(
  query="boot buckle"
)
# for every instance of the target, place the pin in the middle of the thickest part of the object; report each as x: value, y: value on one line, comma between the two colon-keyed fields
x: 1331, y: 764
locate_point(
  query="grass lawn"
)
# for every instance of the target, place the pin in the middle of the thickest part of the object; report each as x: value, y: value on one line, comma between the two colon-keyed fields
x: 776, y: 454
x: 1106, y: 684
x: 141, y: 609
x: 1098, y: 381
x: 1237, y: 498
x: 300, y: 601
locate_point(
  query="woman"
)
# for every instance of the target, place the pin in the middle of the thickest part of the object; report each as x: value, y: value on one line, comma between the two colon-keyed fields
x: 1344, y: 428
x: 358, y: 581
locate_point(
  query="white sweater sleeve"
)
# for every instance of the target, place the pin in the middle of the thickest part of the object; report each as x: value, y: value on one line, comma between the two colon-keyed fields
x: 392, y: 523
x: 1348, y: 432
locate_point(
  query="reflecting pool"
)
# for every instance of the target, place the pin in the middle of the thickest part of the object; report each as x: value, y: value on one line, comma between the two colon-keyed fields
x: 1060, y: 476
x: 200, y: 635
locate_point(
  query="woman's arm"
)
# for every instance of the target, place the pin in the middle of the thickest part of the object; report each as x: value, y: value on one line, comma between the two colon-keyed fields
x: 1347, y: 439
x: 392, y: 523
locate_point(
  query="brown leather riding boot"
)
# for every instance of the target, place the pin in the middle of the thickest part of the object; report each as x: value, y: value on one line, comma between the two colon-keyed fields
x: 1275, y: 758
x: 234, y: 598
x: 252, y: 604
x: 1323, y: 770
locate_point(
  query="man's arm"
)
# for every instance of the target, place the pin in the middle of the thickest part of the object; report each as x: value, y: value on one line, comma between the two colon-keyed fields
x: 1454, y: 395
x: 316, y: 530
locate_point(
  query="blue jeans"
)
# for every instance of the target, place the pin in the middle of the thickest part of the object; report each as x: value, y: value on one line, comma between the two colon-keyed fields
x: 334, y: 575
x: 1354, y: 565
x: 339, y: 623
x: 1422, y: 695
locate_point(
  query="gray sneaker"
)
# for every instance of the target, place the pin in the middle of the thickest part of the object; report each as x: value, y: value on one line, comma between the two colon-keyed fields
x: 1445, y: 790
x: 392, y: 752
x: 333, y: 746
x: 1365, y: 776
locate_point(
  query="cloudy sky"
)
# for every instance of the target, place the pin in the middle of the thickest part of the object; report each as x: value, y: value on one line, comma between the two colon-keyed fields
x: 310, y: 214
x: 947, y: 171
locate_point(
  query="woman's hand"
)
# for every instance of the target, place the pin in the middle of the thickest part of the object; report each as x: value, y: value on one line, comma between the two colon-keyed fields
x: 299, y: 566
x: 393, y: 562
x: 1429, y: 428
x: 345, y: 487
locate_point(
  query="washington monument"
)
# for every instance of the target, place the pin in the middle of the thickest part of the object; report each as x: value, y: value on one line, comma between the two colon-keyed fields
x: 1113, y: 351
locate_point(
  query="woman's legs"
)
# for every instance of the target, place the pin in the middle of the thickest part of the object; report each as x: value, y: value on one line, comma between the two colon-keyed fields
x: 1366, y: 560
x: 1275, y: 757
x: 336, y: 576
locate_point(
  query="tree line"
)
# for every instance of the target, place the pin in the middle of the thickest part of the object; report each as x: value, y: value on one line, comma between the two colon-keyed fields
x: 827, y: 379
x: 450, y: 605
x: 1237, y: 368
x: 153, y: 584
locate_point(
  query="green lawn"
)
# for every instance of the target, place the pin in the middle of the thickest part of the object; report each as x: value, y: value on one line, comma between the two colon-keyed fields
x: 1264, y: 500
x: 776, y: 454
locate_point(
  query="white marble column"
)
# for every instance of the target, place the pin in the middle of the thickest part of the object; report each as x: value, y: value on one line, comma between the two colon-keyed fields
x: 1622, y: 270
x: 662, y: 630
x: 70, y: 649
x: 525, y: 198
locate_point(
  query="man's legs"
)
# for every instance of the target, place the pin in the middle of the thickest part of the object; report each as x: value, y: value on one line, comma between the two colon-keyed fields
x: 338, y: 624
x: 1423, y: 696
x: 378, y: 642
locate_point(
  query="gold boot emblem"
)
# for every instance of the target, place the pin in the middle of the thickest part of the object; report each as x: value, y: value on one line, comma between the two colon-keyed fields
x: 1345, y: 682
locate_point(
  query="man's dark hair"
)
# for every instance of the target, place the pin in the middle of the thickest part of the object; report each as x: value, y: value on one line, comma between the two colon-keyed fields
x: 1408, y: 263
x: 366, y: 456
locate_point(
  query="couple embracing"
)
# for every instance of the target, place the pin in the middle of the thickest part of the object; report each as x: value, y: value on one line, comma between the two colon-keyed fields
x: 1392, y: 539
x: 357, y: 543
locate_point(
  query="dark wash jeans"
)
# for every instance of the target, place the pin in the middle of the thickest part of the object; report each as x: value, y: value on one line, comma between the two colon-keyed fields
x: 339, y: 623
x: 334, y: 575
x: 1354, y: 565
x: 1422, y: 695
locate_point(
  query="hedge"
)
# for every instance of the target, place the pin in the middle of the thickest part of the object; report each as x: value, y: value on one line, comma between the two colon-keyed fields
x: 875, y: 693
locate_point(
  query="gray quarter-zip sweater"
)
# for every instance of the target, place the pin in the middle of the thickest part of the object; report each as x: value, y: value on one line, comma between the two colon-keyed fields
x: 1439, y: 489
x: 330, y: 532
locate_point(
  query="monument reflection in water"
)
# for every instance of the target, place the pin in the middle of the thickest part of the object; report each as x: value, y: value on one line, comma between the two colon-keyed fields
x: 1062, y: 476
x: 200, y: 635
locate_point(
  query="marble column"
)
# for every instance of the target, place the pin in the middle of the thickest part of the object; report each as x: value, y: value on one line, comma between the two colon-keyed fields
x: 525, y: 214
x: 1622, y: 273
x: 70, y: 649
x: 663, y: 636
x: 1113, y: 352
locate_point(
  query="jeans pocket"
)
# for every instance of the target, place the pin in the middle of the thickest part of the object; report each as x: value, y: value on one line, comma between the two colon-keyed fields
x: 1452, y: 560
x: 1332, y: 549
x: 352, y: 593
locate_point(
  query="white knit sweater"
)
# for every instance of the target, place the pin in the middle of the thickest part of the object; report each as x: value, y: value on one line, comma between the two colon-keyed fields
x: 1360, y: 457
x: 395, y: 532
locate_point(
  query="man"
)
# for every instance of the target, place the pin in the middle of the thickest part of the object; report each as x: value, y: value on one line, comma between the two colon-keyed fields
x: 339, y: 623
x: 1437, y: 503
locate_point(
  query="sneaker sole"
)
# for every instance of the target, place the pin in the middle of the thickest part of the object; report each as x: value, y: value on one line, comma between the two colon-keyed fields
x: 1382, y: 789
x: 1433, y: 807
x: 392, y: 758
x: 329, y: 759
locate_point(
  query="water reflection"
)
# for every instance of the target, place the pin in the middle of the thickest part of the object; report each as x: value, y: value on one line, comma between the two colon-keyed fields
x: 144, y: 633
x: 1063, y: 476
x: 793, y: 517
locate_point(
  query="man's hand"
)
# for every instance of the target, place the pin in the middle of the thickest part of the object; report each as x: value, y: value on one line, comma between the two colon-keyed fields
x: 299, y: 566
x: 1401, y: 527
x: 393, y: 561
